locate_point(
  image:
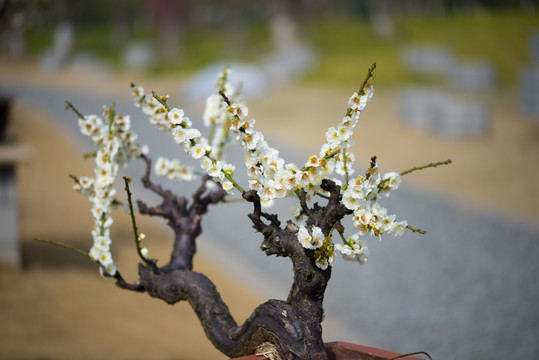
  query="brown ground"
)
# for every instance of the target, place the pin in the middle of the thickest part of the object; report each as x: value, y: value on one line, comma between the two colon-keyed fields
x: 58, y: 307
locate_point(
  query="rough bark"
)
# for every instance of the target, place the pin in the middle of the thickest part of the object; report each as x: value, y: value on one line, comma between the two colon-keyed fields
x: 293, y: 326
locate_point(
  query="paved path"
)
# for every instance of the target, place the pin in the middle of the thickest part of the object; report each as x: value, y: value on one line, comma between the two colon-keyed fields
x: 469, y: 289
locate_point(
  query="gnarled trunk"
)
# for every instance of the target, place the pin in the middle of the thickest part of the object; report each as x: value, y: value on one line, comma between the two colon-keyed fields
x: 292, y: 327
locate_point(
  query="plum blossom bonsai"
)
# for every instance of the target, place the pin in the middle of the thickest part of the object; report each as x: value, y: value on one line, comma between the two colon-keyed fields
x: 326, y: 189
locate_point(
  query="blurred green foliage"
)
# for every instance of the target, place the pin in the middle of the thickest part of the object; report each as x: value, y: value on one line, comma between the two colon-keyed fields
x: 345, y: 46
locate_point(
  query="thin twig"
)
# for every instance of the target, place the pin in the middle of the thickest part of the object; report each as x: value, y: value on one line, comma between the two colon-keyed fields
x: 225, y: 98
x: 417, y: 230
x: 65, y: 246
x: 415, y: 168
x: 236, y: 185
x: 411, y: 354
x: 69, y: 106
x: 162, y: 100
x: 127, y: 180
x: 148, y: 184
x: 370, y: 76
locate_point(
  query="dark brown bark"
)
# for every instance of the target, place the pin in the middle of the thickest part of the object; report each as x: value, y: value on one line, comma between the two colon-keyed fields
x: 293, y: 326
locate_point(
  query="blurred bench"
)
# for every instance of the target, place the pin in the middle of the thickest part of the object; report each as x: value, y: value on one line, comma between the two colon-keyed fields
x: 10, y: 156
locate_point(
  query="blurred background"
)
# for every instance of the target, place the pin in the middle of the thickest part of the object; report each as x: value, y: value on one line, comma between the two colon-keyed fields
x: 455, y: 79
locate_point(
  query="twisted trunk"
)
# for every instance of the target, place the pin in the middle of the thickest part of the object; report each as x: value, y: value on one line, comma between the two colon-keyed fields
x: 292, y: 327
x: 293, y: 333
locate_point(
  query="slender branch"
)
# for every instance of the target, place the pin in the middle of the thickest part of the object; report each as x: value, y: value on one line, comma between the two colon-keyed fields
x: 411, y: 354
x: 148, y: 183
x: 322, y: 196
x: 65, y: 246
x: 162, y: 100
x: 431, y: 165
x: 69, y: 106
x: 370, y: 76
x: 225, y: 98
x: 417, y: 230
x: 127, y: 180
x: 236, y: 185
x: 75, y: 179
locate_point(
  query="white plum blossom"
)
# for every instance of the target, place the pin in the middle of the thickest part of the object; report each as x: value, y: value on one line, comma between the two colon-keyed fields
x: 390, y: 181
x: 199, y: 150
x: 215, y: 111
x: 358, y: 102
x: 325, y: 260
x: 268, y: 173
x: 354, y: 250
x: 179, y: 126
x: 117, y: 146
x: 173, y: 169
x: 228, y: 186
x: 312, y: 240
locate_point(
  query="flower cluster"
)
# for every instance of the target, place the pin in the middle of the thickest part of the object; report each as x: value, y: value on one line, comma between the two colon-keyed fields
x: 116, y: 146
x: 354, y: 249
x: 269, y: 175
x: 322, y: 245
x: 179, y: 126
x: 369, y: 216
x: 338, y: 138
x: 267, y: 172
x: 215, y: 114
x: 173, y: 169
x: 272, y: 178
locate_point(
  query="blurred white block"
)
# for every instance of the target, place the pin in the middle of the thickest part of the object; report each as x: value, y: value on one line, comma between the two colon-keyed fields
x: 428, y: 59
x: 529, y: 91
x: 473, y: 75
x: 443, y: 114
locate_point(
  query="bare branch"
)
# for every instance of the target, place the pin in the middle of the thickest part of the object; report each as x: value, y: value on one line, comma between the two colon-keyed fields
x: 415, y: 168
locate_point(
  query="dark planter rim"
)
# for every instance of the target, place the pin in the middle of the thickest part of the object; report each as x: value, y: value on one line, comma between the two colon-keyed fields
x: 343, y: 350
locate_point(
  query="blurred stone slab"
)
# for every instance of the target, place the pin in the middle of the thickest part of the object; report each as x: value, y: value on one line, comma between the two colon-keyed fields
x: 419, y: 106
x: 529, y: 91
x: 475, y: 75
x: 138, y: 55
x: 63, y: 42
x: 428, y: 60
x: 442, y: 113
x: 252, y: 79
x: 278, y: 68
x: 10, y: 249
x: 286, y: 65
x: 534, y: 45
